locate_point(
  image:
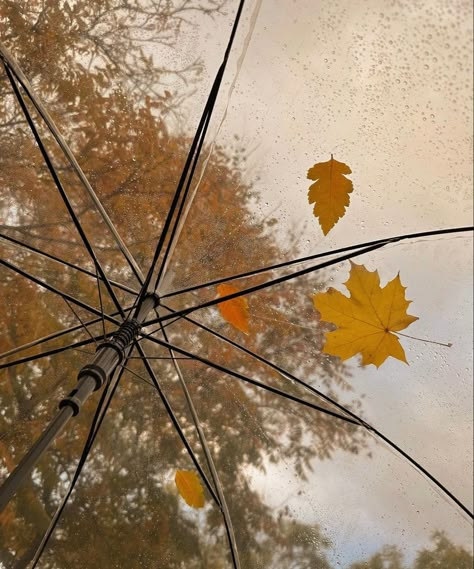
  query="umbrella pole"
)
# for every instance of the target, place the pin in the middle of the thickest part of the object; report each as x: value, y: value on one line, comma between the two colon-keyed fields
x: 90, y: 378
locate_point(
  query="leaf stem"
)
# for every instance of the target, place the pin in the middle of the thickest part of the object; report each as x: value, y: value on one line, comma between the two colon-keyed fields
x: 448, y: 345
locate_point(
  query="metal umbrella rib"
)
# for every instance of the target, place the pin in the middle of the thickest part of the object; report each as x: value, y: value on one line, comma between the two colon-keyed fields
x: 54, y: 336
x: 37, y: 251
x: 358, y: 420
x: 207, y: 452
x: 378, y: 242
x: 61, y: 190
x: 60, y: 293
x: 11, y: 63
x: 251, y: 381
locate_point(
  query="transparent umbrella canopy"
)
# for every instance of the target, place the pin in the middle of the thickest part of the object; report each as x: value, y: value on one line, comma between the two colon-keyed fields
x: 153, y: 168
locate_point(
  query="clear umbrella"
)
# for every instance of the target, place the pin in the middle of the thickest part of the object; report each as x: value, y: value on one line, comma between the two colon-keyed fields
x: 304, y: 459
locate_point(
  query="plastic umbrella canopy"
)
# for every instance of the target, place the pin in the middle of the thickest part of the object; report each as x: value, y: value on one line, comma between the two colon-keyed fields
x: 306, y: 457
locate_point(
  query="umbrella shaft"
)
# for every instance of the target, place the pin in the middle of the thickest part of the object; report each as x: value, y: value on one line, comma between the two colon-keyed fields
x: 28, y: 462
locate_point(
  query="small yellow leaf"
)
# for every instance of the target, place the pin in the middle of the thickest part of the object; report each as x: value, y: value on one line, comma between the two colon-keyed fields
x: 235, y: 311
x: 367, y: 319
x: 190, y: 488
x: 330, y: 192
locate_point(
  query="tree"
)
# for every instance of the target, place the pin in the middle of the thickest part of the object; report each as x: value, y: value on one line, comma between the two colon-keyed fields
x: 443, y: 553
x: 390, y: 557
x: 94, y: 70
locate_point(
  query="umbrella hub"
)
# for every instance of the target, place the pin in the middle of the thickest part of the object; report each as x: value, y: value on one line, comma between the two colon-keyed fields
x: 109, y: 356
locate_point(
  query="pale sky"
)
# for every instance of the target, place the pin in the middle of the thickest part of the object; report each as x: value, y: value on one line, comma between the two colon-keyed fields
x: 387, y: 88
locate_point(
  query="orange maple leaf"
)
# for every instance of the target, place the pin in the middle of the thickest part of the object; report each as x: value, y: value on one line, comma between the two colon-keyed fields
x: 190, y: 488
x: 368, y: 320
x: 330, y: 192
x: 234, y: 311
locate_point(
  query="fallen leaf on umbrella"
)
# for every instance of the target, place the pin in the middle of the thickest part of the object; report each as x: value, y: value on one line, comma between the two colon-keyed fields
x: 368, y: 320
x: 190, y: 488
x: 234, y: 311
x: 330, y: 192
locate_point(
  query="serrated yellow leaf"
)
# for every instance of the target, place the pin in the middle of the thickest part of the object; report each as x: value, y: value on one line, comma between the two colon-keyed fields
x: 367, y: 319
x: 190, y: 488
x: 234, y: 311
x: 330, y: 192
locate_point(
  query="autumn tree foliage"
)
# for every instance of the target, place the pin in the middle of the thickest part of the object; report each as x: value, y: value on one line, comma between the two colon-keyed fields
x: 442, y: 552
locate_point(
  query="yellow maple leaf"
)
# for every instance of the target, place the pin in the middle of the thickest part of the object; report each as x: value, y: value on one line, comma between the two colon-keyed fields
x: 366, y: 321
x: 190, y: 488
x: 330, y: 192
x: 234, y: 311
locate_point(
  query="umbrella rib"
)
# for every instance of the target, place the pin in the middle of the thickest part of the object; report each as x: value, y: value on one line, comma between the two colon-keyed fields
x: 9, y: 60
x: 210, y: 462
x: 315, y: 391
x: 76, y: 314
x: 100, y: 302
x: 201, y: 133
x: 61, y: 190
x: 199, y: 139
x: 357, y: 422
x: 176, y: 424
x: 137, y: 375
x: 52, y: 351
x: 97, y: 420
x: 179, y: 224
x: 54, y: 336
x: 286, y: 374
x: 266, y: 284
x: 250, y: 380
x: 189, y: 166
x: 385, y: 241
x: 160, y: 358
x: 209, y: 109
x: 63, y: 262
x: 151, y: 384
x: 62, y: 294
